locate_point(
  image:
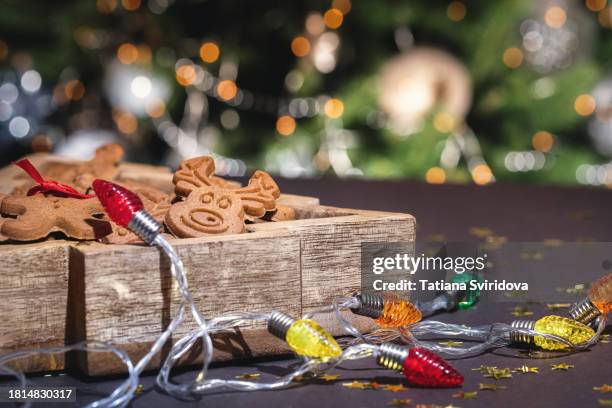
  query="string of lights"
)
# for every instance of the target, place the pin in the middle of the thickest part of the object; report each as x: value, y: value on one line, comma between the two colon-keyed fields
x: 318, y: 350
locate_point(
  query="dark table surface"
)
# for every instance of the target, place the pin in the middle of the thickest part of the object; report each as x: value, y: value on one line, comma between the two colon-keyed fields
x: 449, y: 212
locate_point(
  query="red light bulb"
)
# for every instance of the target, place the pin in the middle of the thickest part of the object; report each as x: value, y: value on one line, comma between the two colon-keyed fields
x: 120, y: 203
x: 427, y: 369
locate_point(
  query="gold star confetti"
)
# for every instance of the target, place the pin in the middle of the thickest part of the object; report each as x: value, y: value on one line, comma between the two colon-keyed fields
x: 393, y: 387
x: 521, y: 311
x: 605, y: 403
x: 483, y: 369
x: 561, y: 366
x: 494, y: 242
x: 553, y: 242
x: 532, y: 255
x: 139, y: 389
x: 556, y: 306
x: 603, y: 389
x: 437, y: 238
x: 451, y: 343
x: 399, y: 402
x: 491, y: 387
x: 248, y: 376
x: 466, y: 394
x: 499, y: 374
x: 329, y: 377
x: 375, y: 386
x: 356, y: 385
x: 525, y: 370
x: 480, y: 232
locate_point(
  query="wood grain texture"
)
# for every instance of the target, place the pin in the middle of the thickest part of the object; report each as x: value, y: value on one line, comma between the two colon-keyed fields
x: 130, y: 296
x: 34, y: 293
x: 124, y: 294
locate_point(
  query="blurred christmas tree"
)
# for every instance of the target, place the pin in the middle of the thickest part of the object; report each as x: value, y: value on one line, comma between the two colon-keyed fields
x: 436, y: 90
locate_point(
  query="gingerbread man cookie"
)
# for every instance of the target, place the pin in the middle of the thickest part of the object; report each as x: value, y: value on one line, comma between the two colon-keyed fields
x: 104, y: 165
x: 38, y: 215
x: 155, y: 203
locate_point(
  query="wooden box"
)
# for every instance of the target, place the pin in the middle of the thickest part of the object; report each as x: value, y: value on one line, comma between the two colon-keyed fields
x: 58, y: 292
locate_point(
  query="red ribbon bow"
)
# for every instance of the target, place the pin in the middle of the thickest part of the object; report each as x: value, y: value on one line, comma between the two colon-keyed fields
x: 48, y: 186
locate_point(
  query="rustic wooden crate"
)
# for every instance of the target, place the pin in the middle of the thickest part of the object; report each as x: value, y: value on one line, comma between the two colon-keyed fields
x: 57, y: 292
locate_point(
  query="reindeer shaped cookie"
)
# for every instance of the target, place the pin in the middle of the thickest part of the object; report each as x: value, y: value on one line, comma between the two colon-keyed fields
x: 214, y: 207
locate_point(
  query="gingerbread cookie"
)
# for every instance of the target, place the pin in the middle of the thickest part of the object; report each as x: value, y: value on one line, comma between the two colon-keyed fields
x: 282, y: 213
x: 38, y: 215
x: 267, y: 182
x: 155, y: 203
x: 104, y: 165
x: 207, y: 210
x: 212, y: 208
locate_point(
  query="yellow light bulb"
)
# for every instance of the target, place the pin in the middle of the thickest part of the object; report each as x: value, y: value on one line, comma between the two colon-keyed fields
x: 308, y: 339
x: 398, y: 313
x: 600, y: 294
x: 564, y: 327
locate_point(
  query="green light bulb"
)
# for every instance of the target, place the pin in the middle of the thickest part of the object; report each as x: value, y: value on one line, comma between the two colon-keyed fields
x: 468, y: 297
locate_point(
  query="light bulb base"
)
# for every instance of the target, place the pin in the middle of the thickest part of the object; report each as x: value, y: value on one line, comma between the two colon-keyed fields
x: 392, y: 356
x: 446, y: 300
x: 518, y: 337
x: 279, y: 324
x: 370, y: 305
x: 584, y: 311
x: 145, y: 226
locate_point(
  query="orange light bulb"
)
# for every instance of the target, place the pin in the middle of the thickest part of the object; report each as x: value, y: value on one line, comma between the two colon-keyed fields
x: 387, y: 310
x: 397, y: 313
x: 600, y: 294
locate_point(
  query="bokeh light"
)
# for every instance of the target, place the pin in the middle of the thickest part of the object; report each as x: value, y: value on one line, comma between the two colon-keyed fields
x: 209, y: 52
x: 227, y: 90
x: 106, y: 6
x: 334, y: 108
x: 19, y: 127
x: 185, y: 75
x: 126, y: 122
x: 155, y: 108
x: 127, y: 53
x: 141, y: 86
x: 343, y: 5
x: 285, y: 125
x: 482, y: 174
x: 444, y: 122
x: 315, y: 24
x: 333, y: 18
x: 584, y: 105
x: 74, y: 90
x: 435, y: 175
x: 543, y: 141
x: 456, y: 11
x: 513, y: 57
x: 31, y: 81
x: 300, y: 46
x: 130, y: 5
x: 605, y: 17
x: 596, y: 5
x: 555, y: 17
